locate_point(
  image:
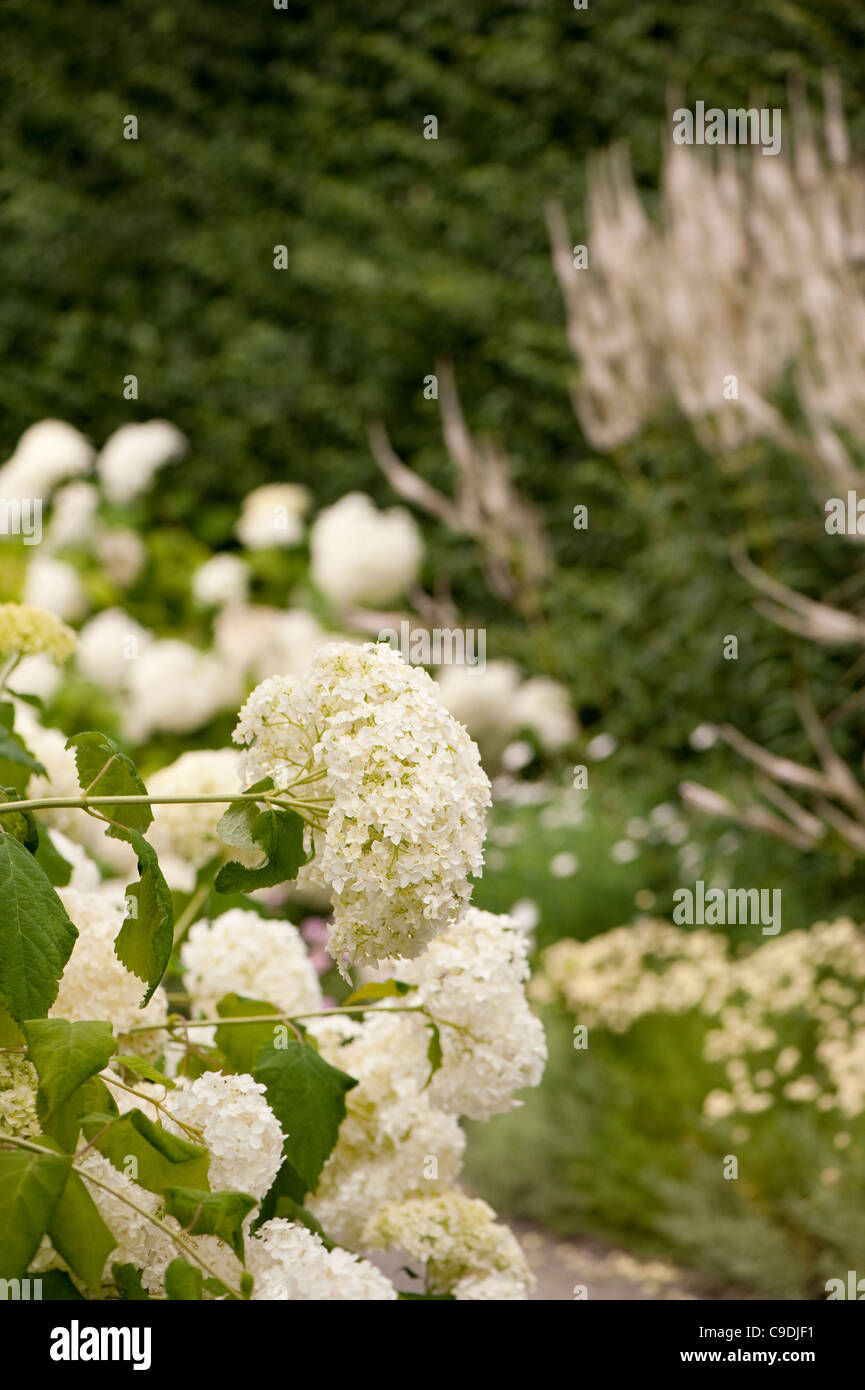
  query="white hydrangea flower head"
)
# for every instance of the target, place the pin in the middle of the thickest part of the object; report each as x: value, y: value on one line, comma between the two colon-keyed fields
x: 272, y: 515
x: 174, y: 688
x: 361, y: 555
x: 483, y: 700
x: 56, y: 586
x: 221, y: 580
x: 400, y: 796
x: 393, y: 1141
x: 95, y: 984
x: 459, y: 1241
x: 243, y: 953
x: 18, y: 1083
x: 289, y: 1262
x: 472, y: 981
x: 237, y: 1126
x: 108, y: 645
x: 45, y: 455
x: 184, y: 835
x: 133, y: 455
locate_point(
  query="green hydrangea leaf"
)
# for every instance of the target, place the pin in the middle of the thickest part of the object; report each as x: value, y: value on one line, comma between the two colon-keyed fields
x: 280, y: 835
x: 183, y: 1281
x: 66, y: 1054
x: 211, y: 1213
x: 79, y: 1234
x: 307, y: 1095
x: 36, y: 935
x: 31, y: 1185
x: 103, y: 770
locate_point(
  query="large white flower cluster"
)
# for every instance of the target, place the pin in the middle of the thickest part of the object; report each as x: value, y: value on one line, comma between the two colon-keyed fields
x: 393, y: 1141
x: 362, y: 555
x: 243, y: 953
x: 465, y: 1251
x: 812, y: 979
x: 289, y: 1262
x: 133, y: 455
x: 472, y: 981
x: 393, y: 784
x: 184, y: 834
x: 237, y: 1126
x: 94, y: 984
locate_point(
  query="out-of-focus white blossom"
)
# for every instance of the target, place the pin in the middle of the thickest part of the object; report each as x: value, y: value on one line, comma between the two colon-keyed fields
x: 107, y: 645
x: 133, y: 455
x: 221, y: 580
x: 260, y: 641
x: 72, y: 516
x: 362, y: 555
x: 272, y: 516
x: 174, y: 688
x: 122, y: 554
x: 45, y: 455
x: 56, y: 586
x: 544, y: 706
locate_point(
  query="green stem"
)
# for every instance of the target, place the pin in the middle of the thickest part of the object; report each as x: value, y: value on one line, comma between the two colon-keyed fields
x: 190, y: 913
x: 273, y: 1018
x: 52, y: 803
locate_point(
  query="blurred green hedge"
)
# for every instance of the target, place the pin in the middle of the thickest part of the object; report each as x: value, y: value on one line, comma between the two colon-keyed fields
x: 303, y: 126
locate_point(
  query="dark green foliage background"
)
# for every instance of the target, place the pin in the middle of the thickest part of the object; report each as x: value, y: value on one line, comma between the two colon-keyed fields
x: 303, y: 127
